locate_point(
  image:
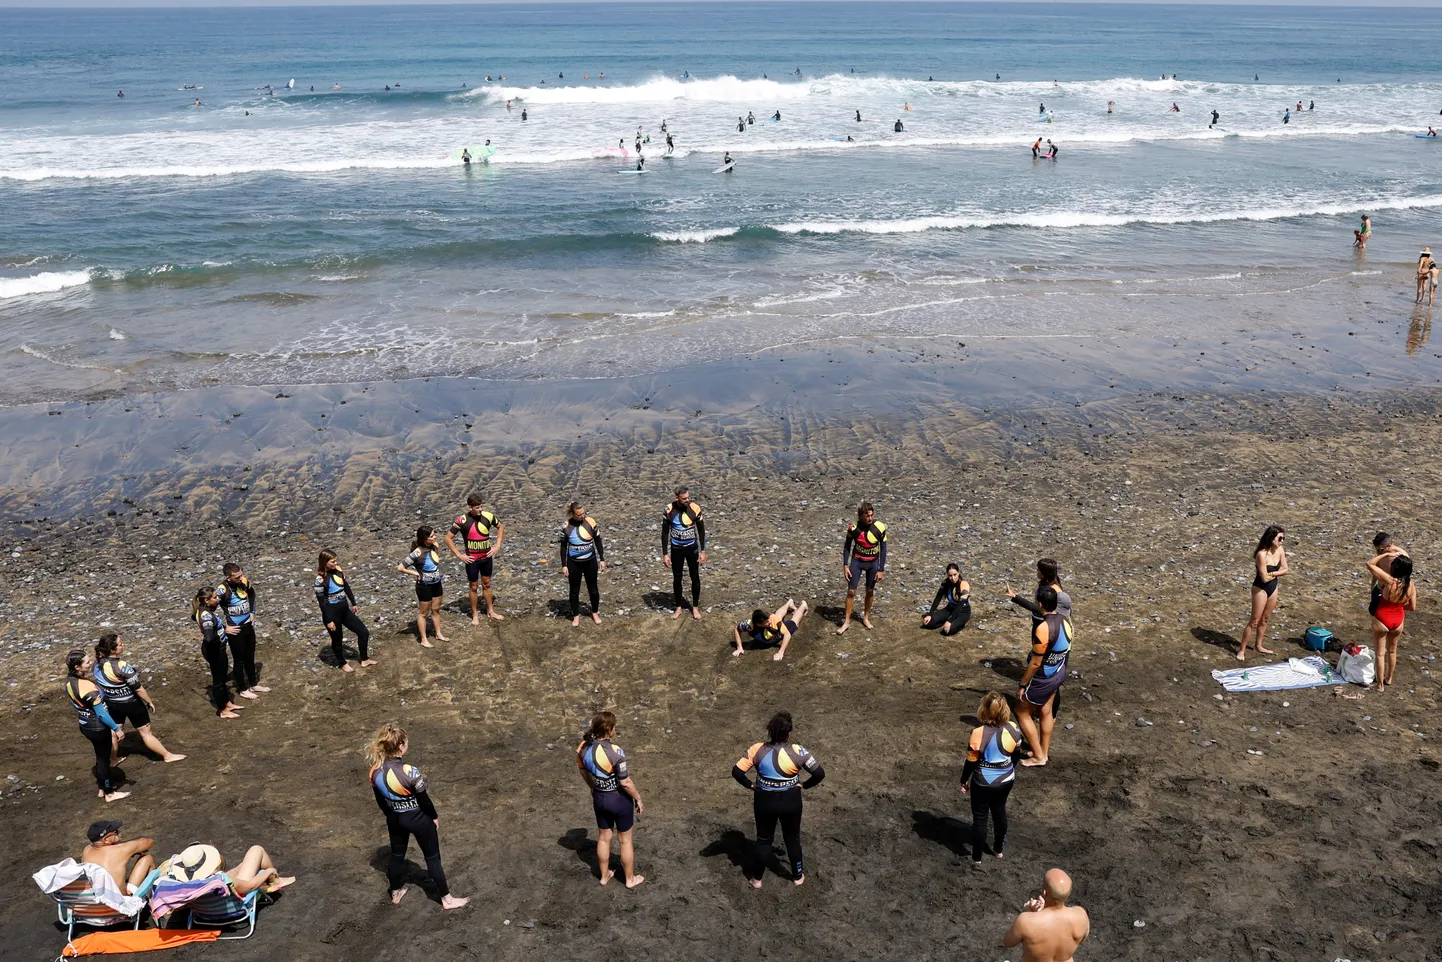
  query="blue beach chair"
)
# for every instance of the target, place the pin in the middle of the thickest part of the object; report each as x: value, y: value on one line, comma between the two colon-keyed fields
x: 225, y: 911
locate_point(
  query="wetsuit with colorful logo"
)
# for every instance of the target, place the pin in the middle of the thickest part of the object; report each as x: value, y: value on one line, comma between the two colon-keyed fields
x: 1053, y: 654
x: 401, y: 792
x: 764, y: 635
x: 582, y: 552
x: 683, y: 537
x: 212, y: 647
x: 606, y: 768
x: 864, y: 550
x: 426, y: 562
x: 95, y: 724
x: 478, y: 531
x: 1063, y: 606
x: 991, y: 770
x: 238, y: 605
x: 337, y: 607
x: 777, y: 798
x: 119, y: 679
x: 951, y: 607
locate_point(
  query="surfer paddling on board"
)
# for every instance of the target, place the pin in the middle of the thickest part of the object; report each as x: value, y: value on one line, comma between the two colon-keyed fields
x: 899, y: 127
x: 1175, y: 109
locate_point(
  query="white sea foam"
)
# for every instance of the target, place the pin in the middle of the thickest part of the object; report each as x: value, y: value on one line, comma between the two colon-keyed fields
x: 694, y: 236
x: 118, y: 335
x: 46, y: 283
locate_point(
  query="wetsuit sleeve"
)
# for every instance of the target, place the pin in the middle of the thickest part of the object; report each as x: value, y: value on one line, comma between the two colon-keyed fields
x: 881, y: 564
x: 103, y: 713
x: 817, y: 774
x: 409, y: 562
x: 623, y: 769
x: 739, y: 773
x: 458, y: 525
x: 380, y: 801
x: 1039, y: 646
x: 600, y: 548
x: 846, y: 545
x: 973, y: 756
x: 700, y: 531
x: 209, y: 627
x: 940, y: 593
x: 565, y: 545
x: 424, y: 800
x: 320, y: 597
x: 1027, y: 603
x: 350, y: 595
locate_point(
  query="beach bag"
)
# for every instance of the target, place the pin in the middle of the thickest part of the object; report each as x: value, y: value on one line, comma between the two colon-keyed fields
x: 1316, y: 638
x: 1357, y: 665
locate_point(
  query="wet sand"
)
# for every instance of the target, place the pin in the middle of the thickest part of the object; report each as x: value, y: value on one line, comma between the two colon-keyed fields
x: 1150, y: 494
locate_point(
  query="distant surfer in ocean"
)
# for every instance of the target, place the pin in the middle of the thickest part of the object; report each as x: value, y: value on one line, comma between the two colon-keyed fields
x: 1110, y: 103
x: 776, y: 116
x: 750, y: 118
x: 1175, y: 109
x: 466, y: 156
x: 727, y: 162
x: 670, y: 145
x: 741, y: 125
x: 1036, y: 149
x: 1287, y: 116
x: 899, y: 127
x: 858, y: 116
x: 523, y: 114
x: 1051, y: 150
x: 1216, y: 117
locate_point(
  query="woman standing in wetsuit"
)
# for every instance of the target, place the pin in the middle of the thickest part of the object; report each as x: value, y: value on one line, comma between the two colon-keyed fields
x: 1270, y: 560
x: 424, y: 564
x: 95, y: 722
x: 401, y: 792
x: 338, y: 610
x: 582, y: 555
x: 990, y: 771
x: 779, y: 765
x: 205, y: 612
x: 1396, y: 596
x: 614, y: 796
x: 951, y: 608
x: 1048, y: 575
x: 125, y: 697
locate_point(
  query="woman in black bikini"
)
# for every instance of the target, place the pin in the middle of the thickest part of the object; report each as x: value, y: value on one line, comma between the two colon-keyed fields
x: 1270, y: 559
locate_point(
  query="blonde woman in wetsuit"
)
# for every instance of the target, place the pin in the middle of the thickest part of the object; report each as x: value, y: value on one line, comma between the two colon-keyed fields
x: 1270, y: 559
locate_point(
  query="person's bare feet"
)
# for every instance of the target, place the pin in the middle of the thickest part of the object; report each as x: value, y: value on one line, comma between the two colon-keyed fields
x: 1033, y: 762
x: 799, y: 881
x: 754, y: 882
x: 452, y: 902
x: 368, y: 662
x: 498, y: 617
x: 1242, y: 655
x: 115, y: 796
x: 677, y: 613
x: 606, y: 876
x: 248, y: 694
x: 346, y: 667
x: 279, y: 883
x: 475, y: 621
x: 1000, y: 854
x: 426, y: 644
x: 595, y: 617
x: 696, y: 613
x: 576, y: 622
x: 866, y: 623
x: 232, y: 706
x: 441, y: 637
x: 1265, y: 651
x: 228, y: 714
x: 844, y: 626
x: 634, y: 881
x: 260, y: 688
x: 173, y: 757
x: 399, y: 894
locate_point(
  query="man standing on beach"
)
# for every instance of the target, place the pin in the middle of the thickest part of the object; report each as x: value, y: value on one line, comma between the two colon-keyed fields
x: 1049, y: 930
x: 863, y: 551
x: 683, y: 544
x: 483, y: 534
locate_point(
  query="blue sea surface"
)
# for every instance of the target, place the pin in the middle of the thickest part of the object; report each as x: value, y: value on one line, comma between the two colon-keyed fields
x: 302, y: 223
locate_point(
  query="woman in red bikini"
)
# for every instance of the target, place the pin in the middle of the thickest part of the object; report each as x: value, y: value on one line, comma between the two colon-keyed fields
x: 1393, y: 573
x: 1270, y: 559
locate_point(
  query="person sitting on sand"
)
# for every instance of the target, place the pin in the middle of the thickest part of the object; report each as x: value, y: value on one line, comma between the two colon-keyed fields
x: 1047, y: 929
x: 1270, y: 560
x: 255, y: 871
x: 766, y: 630
x: 863, y: 551
x: 110, y: 853
x: 1039, y: 693
x: 614, y: 796
x: 951, y: 608
x: 1363, y: 233
x: 1425, y: 263
x: 401, y: 793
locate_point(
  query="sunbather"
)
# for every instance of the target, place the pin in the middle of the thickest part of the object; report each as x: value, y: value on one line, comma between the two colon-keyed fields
x: 110, y: 853
x: 255, y: 871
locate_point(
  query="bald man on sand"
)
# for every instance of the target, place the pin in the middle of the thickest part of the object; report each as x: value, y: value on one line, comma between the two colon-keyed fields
x: 1049, y: 930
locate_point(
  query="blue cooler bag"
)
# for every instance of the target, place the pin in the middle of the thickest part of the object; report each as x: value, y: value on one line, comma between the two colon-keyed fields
x: 1316, y: 638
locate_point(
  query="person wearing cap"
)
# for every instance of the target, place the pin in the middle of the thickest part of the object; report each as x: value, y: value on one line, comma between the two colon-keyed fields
x: 110, y: 853
x: 1425, y: 263
x: 255, y: 871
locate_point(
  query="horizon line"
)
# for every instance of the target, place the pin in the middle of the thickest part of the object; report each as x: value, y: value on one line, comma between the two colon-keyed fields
x: 48, y: 5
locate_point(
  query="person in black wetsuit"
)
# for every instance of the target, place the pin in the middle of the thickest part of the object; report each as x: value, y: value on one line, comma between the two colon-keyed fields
x: 774, y: 629
x: 401, y: 793
x: 750, y: 118
x: 898, y: 127
x: 125, y: 696
x: 951, y: 608
x: 862, y: 552
x: 858, y: 116
x: 583, y: 555
x: 238, y: 603
x: 776, y: 116
x: 1216, y: 119
x: 424, y: 564
x: 205, y: 612
x: 990, y: 771
x: 683, y: 543
x: 338, y: 610
x: 779, y: 764
x: 614, y: 796
x: 95, y: 722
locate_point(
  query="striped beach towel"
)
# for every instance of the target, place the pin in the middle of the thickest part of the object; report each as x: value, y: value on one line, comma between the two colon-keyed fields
x: 1310, y: 672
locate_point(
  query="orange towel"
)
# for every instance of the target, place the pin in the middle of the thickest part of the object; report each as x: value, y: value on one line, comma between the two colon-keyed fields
x: 145, y: 940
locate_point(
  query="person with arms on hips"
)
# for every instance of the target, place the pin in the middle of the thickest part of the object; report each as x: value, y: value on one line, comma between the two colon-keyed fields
x: 125, y: 696
x: 1396, y: 595
x: 776, y: 794
x: 1269, y: 559
x: 951, y: 608
x: 205, y: 612
x: 483, y: 534
x: 583, y: 555
x: 1039, y: 695
x: 424, y: 564
x: 95, y: 722
x: 238, y: 602
x: 110, y: 853
x: 614, y: 796
x: 1049, y: 930
x: 338, y: 610
x: 990, y: 771
x: 402, y: 794
x: 683, y: 544
x: 863, y: 551
x: 766, y: 630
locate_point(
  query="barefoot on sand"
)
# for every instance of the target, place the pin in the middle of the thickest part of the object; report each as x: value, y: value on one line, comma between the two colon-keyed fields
x: 1033, y: 762
x: 346, y: 667
x: 452, y: 902
x: 754, y: 882
x: 799, y: 881
x: 399, y: 894
x: 172, y: 757
x: 677, y: 613
x: 368, y: 662
x: 607, y: 876
x: 260, y: 688
x: 635, y: 881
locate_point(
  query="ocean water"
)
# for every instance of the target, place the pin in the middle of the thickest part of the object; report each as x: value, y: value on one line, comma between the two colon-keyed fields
x: 329, y: 232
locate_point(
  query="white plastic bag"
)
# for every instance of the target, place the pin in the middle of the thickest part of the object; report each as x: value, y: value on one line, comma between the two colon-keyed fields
x: 1359, y: 669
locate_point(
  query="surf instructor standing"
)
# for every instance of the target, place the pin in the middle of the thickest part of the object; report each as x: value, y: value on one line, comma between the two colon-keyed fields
x: 483, y: 534
x: 683, y: 544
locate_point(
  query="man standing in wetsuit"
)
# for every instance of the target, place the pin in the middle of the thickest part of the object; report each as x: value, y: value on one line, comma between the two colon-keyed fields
x: 683, y: 544
x: 483, y: 534
x: 1049, y: 930
x: 863, y: 551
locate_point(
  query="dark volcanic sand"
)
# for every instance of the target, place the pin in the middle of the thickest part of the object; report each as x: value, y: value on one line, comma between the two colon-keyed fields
x: 1323, y: 846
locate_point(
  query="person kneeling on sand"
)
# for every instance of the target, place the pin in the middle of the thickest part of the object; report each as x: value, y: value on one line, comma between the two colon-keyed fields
x: 110, y: 853
x: 766, y: 630
x: 951, y: 608
x: 1047, y: 929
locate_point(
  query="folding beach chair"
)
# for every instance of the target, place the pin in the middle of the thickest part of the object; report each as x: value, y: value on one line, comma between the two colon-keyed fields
x: 225, y: 911
x: 77, y: 904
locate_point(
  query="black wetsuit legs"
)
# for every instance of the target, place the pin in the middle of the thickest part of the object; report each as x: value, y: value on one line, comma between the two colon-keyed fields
x: 100, y: 741
x: 692, y: 559
x: 957, y: 615
x: 588, y: 569
x: 343, y: 617
x: 783, y: 808
x: 427, y: 838
x: 215, y: 657
x: 988, y: 799
x: 242, y: 649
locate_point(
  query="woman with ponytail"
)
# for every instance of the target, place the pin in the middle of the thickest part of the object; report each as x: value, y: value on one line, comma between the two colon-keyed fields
x: 614, y: 797
x: 338, y: 610
x: 401, y: 792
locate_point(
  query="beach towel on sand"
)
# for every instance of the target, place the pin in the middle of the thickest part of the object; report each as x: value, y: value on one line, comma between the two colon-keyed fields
x: 1310, y: 672
x: 145, y: 940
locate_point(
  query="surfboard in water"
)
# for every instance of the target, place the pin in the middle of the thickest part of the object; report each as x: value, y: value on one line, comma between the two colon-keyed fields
x: 631, y: 170
x: 724, y: 167
x: 478, y: 154
x: 1424, y: 137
